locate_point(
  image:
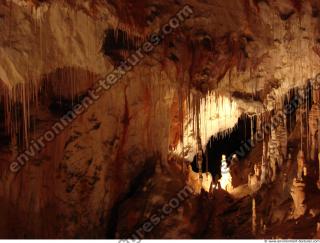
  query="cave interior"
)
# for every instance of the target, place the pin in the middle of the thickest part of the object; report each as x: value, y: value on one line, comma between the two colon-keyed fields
x: 159, y: 119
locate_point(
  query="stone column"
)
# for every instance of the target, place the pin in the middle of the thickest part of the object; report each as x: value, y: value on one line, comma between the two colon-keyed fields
x: 301, y: 165
x: 226, y: 179
x: 298, y: 196
x: 254, y: 180
x: 264, y: 167
x: 254, y: 217
x: 313, y: 129
x: 318, y: 183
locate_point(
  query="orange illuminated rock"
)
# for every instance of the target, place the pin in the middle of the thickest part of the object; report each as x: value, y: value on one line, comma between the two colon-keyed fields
x: 299, y: 196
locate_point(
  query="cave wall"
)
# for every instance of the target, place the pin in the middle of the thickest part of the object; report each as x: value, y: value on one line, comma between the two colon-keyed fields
x: 242, y: 50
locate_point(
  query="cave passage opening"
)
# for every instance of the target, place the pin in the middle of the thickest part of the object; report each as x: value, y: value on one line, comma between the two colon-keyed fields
x: 5, y: 138
x: 225, y: 144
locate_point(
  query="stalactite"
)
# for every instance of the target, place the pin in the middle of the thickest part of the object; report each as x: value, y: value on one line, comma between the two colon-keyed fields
x: 19, y: 102
x: 207, y: 116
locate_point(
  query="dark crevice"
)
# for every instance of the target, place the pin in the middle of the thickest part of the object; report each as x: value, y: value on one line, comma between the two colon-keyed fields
x: 249, y: 38
x: 116, y: 41
x: 4, y: 137
x: 207, y: 43
x: 61, y: 106
x: 171, y: 44
x: 17, y: 118
x: 136, y: 184
x: 247, y: 96
x: 297, y: 4
x: 225, y: 144
x: 287, y: 15
x: 174, y: 58
x: 315, y: 12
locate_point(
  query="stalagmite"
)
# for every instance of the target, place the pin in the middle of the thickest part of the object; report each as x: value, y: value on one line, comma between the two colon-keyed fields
x: 235, y: 171
x: 313, y: 121
x: 289, y: 160
x: 265, y: 170
x: 318, y: 183
x: 305, y: 171
x: 282, y: 136
x: 226, y: 179
x: 298, y: 196
x: 254, y: 180
x: 274, y: 154
x: 284, y: 181
x: 298, y: 188
x: 277, y: 146
x: 207, y: 181
x: 301, y: 173
x: 254, y: 217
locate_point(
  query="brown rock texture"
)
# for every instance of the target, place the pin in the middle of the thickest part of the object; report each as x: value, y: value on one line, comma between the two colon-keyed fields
x: 133, y: 144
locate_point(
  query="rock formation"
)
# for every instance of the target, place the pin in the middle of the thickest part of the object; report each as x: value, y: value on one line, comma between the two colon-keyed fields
x: 254, y: 180
x: 299, y: 198
x: 97, y: 111
x: 226, y: 178
x: 235, y: 171
x: 314, y: 117
x: 302, y: 169
x: 318, y: 183
x: 254, y: 217
x: 265, y: 167
x: 275, y: 155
